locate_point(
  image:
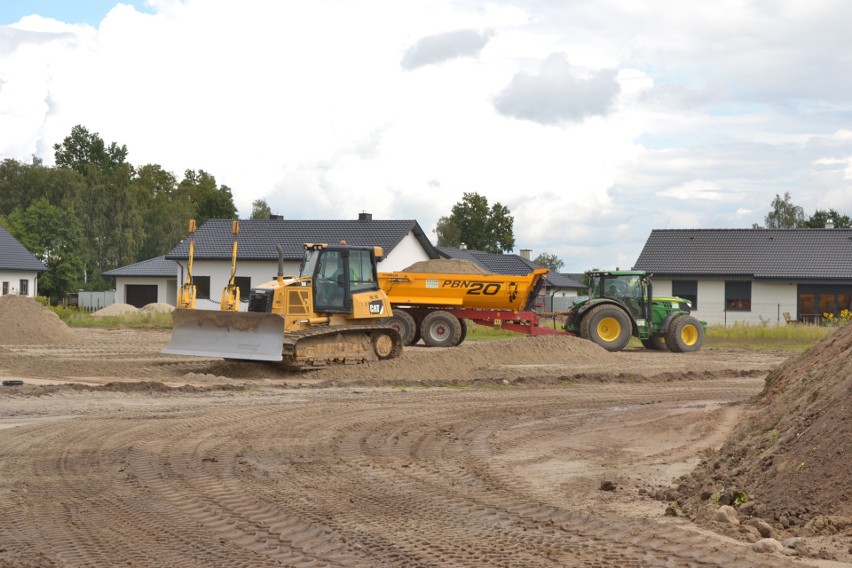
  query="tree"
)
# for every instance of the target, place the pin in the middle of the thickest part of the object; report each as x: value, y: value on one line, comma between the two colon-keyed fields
x: 477, y: 225
x: 210, y: 200
x: 55, y: 237
x: 260, y: 209
x: 551, y: 261
x: 82, y: 150
x: 784, y: 214
x: 820, y: 217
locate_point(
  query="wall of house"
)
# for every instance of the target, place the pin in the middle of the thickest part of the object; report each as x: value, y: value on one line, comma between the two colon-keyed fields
x: 14, y: 277
x: 166, y: 288
x: 769, y: 301
x: 407, y: 252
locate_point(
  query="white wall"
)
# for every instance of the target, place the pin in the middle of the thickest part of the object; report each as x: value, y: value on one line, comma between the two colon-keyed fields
x: 769, y: 301
x: 164, y: 286
x: 14, y: 277
x: 407, y: 252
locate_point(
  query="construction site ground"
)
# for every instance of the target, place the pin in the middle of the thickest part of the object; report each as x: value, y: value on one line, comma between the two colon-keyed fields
x: 535, y: 451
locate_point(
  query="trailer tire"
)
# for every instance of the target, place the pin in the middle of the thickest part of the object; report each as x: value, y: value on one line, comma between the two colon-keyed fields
x: 463, y: 330
x: 404, y: 324
x: 608, y: 326
x: 440, y: 329
x: 684, y: 335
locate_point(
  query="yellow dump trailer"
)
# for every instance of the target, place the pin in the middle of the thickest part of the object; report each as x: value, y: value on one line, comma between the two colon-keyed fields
x: 434, y: 306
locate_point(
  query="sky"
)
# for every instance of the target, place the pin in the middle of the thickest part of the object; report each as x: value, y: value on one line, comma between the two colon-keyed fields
x: 593, y: 122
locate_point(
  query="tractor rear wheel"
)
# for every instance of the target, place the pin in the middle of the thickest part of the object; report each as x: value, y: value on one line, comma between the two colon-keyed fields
x: 403, y: 323
x: 685, y: 334
x: 608, y: 326
x: 440, y: 329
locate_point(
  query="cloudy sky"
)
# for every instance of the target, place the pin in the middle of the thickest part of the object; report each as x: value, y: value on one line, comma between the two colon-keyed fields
x: 593, y: 122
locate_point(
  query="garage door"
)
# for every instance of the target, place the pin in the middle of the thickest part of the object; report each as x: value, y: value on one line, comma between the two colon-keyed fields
x: 140, y: 294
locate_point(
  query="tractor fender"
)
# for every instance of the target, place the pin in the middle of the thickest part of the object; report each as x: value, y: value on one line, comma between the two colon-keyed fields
x: 664, y: 325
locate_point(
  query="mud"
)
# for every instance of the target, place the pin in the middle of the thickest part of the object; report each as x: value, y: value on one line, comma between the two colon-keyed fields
x: 524, y: 452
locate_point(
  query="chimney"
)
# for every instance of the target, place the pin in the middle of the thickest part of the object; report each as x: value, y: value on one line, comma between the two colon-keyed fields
x: 462, y: 246
x: 526, y: 254
x: 829, y: 224
x: 275, y: 217
x: 364, y: 216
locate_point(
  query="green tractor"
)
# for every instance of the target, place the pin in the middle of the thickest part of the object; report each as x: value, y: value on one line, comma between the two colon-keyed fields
x: 617, y: 307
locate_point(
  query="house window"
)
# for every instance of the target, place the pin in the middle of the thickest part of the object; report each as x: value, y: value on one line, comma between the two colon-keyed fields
x: 244, y: 284
x: 737, y: 296
x: 202, y: 287
x: 686, y: 289
x: 819, y: 299
x: 25, y: 287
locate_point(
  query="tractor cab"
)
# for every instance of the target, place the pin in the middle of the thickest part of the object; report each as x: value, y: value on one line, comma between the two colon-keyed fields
x: 338, y: 271
x: 631, y: 289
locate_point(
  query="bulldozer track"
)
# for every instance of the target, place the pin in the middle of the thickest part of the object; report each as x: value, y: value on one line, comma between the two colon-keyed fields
x: 351, y: 344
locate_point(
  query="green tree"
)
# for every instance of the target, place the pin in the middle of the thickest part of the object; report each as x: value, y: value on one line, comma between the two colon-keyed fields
x: 260, y: 209
x: 166, y: 212
x: 209, y: 200
x: 476, y: 224
x: 820, y: 217
x: 54, y: 235
x: 784, y: 214
x: 551, y: 261
x: 82, y: 150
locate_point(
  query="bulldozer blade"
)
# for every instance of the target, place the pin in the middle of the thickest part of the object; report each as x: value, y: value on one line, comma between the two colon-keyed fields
x: 253, y: 336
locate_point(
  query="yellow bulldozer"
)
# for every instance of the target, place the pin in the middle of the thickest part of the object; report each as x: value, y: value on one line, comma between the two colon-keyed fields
x: 333, y: 312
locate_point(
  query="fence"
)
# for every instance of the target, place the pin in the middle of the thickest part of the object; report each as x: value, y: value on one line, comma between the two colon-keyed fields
x: 91, y: 301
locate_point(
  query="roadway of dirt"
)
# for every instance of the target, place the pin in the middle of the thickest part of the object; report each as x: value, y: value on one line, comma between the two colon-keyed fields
x: 527, y: 452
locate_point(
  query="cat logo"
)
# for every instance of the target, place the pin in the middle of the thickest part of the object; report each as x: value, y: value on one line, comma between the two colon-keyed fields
x: 377, y: 307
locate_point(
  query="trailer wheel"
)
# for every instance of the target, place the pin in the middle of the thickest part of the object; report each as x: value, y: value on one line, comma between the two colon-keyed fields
x: 606, y: 325
x: 655, y: 343
x: 403, y: 323
x: 685, y: 334
x: 463, y: 330
x: 440, y: 329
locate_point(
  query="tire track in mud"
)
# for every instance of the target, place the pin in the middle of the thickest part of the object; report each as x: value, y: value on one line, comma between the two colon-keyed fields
x: 334, y: 478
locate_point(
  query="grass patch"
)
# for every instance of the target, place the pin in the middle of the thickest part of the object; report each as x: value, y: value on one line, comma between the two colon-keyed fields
x: 746, y: 336
x: 476, y: 332
x: 75, y: 317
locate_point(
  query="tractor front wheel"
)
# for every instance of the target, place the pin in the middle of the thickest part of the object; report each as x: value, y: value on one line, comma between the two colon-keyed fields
x: 608, y: 326
x: 685, y: 334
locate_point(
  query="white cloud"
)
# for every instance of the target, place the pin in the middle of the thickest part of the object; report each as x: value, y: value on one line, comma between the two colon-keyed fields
x: 666, y: 116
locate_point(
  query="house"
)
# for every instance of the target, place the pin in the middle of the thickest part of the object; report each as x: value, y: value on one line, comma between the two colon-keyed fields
x: 19, y: 268
x: 147, y: 282
x: 403, y: 243
x: 559, y: 291
x: 753, y: 275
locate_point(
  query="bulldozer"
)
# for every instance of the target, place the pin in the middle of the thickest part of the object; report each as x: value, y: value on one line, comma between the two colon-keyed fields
x: 333, y: 313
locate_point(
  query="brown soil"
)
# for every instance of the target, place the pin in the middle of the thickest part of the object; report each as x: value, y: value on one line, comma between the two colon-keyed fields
x: 447, y: 266
x: 23, y: 321
x: 540, y: 451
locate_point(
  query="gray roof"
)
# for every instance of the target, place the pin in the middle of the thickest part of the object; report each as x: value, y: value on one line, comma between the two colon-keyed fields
x: 14, y: 256
x: 507, y: 264
x: 815, y: 254
x: 154, y: 267
x: 257, y: 237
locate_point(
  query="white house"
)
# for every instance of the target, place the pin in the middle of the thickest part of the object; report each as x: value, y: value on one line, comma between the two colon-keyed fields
x: 147, y: 282
x: 19, y: 268
x: 403, y: 242
x: 753, y: 275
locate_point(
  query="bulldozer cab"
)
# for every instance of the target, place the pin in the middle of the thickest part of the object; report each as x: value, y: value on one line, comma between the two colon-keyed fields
x: 336, y: 272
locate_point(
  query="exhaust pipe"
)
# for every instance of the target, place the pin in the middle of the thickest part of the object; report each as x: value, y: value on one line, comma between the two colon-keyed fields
x: 280, y: 249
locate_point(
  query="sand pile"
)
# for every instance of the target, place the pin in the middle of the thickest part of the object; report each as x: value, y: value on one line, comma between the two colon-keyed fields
x: 447, y: 266
x: 116, y: 310
x: 23, y: 321
x: 792, y: 456
x: 477, y: 361
x: 158, y: 307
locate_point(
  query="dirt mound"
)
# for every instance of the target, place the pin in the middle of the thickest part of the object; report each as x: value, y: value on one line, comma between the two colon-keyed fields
x: 475, y: 361
x: 790, y: 457
x: 158, y: 307
x: 447, y: 266
x: 116, y: 310
x: 23, y: 321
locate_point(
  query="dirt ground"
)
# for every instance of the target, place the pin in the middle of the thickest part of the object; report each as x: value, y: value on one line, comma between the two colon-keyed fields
x: 523, y: 452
